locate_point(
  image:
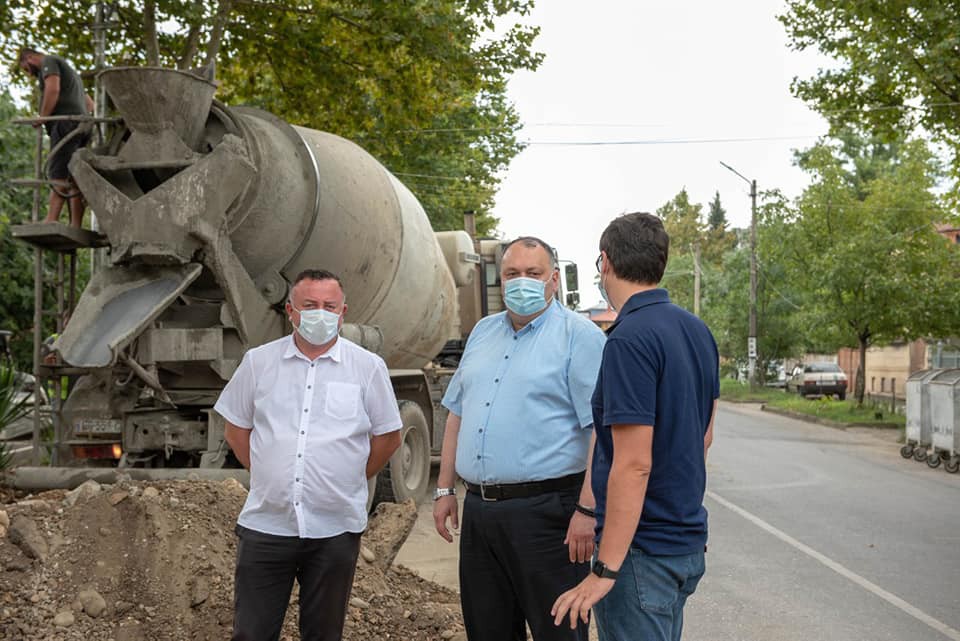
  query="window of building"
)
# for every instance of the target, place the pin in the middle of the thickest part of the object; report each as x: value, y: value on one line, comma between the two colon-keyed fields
x: 883, y: 384
x: 873, y: 383
x: 893, y: 385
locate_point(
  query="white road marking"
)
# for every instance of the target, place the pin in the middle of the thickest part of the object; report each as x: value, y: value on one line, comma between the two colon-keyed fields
x: 875, y: 589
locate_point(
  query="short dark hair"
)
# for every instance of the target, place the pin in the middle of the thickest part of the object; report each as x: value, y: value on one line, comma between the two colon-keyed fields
x: 532, y: 242
x: 316, y: 274
x: 637, y: 247
x: 26, y: 51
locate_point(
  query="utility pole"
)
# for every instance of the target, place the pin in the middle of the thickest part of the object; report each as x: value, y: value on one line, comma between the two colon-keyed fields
x: 696, y: 278
x: 752, y: 337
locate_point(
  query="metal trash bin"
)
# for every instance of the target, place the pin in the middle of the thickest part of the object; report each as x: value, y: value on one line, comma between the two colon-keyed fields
x: 919, y: 428
x: 945, y: 420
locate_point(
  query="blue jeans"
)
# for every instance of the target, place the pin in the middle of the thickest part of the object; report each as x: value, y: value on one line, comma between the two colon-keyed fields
x: 646, y: 602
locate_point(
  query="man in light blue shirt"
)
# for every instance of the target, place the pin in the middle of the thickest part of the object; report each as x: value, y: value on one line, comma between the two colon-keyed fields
x: 519, y: 435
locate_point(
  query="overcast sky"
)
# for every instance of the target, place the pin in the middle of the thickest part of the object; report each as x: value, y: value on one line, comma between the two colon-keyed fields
x: 651, y: 72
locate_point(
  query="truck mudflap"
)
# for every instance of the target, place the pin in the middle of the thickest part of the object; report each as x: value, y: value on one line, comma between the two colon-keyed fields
x: 118, y: 304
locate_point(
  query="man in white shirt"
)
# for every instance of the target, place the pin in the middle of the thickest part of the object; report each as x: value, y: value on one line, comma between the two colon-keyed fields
x: 312, y: 416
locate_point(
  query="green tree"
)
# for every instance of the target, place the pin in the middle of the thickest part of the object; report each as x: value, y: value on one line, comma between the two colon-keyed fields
x: 717, y: 218
x: 717, y: 239
x: 420, y: 84
x: 727, y: 294
x: 17, y: 149
x: 860, y: 247
x: 898, y: 64
x: 682, y: 221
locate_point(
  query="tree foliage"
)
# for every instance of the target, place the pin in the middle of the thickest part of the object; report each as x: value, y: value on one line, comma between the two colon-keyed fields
x: 17, y: 150
x: 861, y: 247
x: 420, y: 84
x: 717, y: 218
x: 898, y: 64
x: 690, y: 234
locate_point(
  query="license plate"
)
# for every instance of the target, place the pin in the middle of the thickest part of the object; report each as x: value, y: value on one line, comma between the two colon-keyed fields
x: 97, y: 426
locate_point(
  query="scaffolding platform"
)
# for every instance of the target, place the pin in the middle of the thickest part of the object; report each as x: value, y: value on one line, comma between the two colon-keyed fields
x: 57, y: 236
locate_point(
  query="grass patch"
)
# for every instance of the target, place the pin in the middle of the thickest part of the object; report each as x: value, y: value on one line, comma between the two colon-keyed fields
x: 823, y: 407
x: 834, y: 410
x: 733, y: 390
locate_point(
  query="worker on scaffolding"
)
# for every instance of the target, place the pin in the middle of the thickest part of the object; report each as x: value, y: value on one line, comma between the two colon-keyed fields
x: 62, y: 94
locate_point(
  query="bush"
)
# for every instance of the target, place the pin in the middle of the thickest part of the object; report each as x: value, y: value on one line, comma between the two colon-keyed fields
x: 14, y: 405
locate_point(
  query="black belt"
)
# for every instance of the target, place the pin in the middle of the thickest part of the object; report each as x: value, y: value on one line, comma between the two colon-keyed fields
x: 523, y: 490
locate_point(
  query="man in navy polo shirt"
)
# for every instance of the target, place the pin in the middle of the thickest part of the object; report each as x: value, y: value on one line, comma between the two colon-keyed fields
x: 653, y: 411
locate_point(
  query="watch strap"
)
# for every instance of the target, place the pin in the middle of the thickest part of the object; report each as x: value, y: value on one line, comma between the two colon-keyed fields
x: 444, y: 491
x: 601, y: 570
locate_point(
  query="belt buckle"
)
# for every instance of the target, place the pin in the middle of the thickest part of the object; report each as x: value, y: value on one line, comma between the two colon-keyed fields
x: 483, y: 494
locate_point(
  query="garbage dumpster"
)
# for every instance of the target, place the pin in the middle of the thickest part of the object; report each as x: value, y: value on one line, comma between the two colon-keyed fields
x: 945, y: 420
x: 919, y: 428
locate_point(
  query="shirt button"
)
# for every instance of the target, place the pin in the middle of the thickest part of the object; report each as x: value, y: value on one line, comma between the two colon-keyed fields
x: 297, y: 480
x: 514, y: 338
x: 481, y: 430
x: 297, y: 503
x: 312, y: 364
x: 478, y: 457
x: 309, y: 386
x: 488, y: 404
x: 299, y: 455
x: 305, y: 409
x: 507, y: 356
x: 496, y: 380
x: 302, y: 432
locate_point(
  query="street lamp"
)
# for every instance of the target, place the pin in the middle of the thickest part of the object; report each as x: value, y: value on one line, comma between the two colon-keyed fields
x: 752, y: 338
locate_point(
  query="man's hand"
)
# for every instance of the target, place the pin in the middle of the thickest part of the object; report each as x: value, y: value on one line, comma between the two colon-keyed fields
x: 580, y: 537
x: 580, y: 600
x: 443, y: 508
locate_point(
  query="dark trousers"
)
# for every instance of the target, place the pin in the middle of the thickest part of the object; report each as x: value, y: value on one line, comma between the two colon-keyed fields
x: 514, y: 565
x: 266, y: 568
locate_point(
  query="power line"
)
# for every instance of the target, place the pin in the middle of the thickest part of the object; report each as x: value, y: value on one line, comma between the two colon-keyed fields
x: 667, y: 141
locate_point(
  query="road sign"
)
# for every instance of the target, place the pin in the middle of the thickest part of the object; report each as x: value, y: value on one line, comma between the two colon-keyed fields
x: 752, y: 347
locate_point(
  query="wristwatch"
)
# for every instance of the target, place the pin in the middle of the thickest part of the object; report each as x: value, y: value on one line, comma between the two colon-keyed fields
x: 444, y: 491
x: 601, y: 570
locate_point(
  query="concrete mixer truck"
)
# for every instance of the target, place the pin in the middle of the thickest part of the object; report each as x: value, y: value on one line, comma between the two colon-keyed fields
x: 209, y: 213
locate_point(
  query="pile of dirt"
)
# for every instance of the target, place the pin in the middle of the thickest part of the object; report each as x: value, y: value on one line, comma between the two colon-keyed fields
x: 155, y: 561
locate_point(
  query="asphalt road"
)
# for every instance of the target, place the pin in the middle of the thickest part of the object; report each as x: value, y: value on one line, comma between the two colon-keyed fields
x: 818, y: 533
x: 815, y: 534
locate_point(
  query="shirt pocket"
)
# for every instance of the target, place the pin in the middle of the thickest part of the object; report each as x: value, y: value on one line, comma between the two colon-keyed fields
x: 343, y: 401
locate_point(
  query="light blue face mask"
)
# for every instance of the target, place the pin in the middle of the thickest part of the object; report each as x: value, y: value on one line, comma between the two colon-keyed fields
x: 525, y: 296
x: 603, y: 290
x: 318, y: 326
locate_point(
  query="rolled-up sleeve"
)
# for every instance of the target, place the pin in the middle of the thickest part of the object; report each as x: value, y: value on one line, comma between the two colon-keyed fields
x: 585, y: 356
x: 380, y: 403
x: 236, y: 402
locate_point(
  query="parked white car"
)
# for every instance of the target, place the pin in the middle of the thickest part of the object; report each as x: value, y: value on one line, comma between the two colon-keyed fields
x: 818, y: 379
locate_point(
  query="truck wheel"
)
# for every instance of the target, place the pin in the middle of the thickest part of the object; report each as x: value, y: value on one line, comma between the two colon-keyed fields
x: 953, y: 465
x: 906, y: 451
x: 933, y: 460
x: 407, y: 474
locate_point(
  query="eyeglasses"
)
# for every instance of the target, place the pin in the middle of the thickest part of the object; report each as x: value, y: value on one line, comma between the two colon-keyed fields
x: 599, y: 262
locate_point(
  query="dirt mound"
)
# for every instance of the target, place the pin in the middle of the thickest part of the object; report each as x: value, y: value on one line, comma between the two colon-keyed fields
x: 154, y: 562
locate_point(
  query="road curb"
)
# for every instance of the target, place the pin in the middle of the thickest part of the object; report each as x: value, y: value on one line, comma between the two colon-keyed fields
x: 809, y: 418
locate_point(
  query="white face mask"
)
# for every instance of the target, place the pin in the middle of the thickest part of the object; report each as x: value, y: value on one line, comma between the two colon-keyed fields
x: 318, y: 326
